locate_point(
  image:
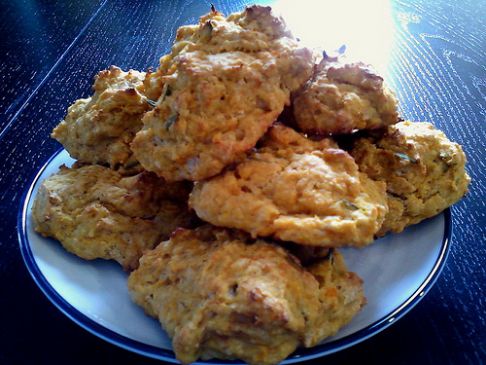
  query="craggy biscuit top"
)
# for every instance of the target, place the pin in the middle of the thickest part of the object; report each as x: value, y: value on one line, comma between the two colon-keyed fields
x: 99, y: 129
x: 254, y: 32
x: 219, y: 293
x: 424, y: 171
x: 342, y: 97
x: 96, y: 213
x: 224, y: 83
x: 295, y: 189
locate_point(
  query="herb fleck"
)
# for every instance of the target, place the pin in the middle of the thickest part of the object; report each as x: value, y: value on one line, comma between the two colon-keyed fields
x: 405, y: 157
x: 330, y: 256
x: 349, y: 205
x: 151, y: 103
x: 446, y: 157
x: 166, y: 91
x: 207, y: 30
x: 171, y: 121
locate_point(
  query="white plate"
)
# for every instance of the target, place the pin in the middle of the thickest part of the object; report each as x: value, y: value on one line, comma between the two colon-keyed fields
x: 398, y: 270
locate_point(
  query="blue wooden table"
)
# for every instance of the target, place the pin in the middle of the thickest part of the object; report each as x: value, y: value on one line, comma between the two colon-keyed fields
x: 433, y: 53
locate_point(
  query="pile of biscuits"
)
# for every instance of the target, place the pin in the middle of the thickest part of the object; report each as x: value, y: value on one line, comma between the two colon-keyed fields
x: 225, y: 181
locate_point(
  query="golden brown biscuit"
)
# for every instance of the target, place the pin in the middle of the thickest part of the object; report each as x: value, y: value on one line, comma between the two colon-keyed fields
x: 99, y: 129
x: 424, y: 171
x: 220, y: 294
x: 342, y: 97
x: 96, y: 213
x: 295, y: 189
x: 224, y: 83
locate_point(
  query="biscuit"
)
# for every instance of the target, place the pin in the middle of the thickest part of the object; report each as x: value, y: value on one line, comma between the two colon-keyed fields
x: 220, y: 294
x: 99, y: 129
x: 295, y: 189
x: 96, y: 213
x: 342, y: 97
x: 224, y: 83
x: 424, y: 171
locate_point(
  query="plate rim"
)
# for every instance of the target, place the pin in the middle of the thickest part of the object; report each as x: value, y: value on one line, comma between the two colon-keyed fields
x: 301, y: 354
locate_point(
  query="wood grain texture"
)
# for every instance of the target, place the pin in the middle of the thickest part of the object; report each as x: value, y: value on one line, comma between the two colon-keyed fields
x: 440, y: 76
x: 34, y: 37
x: 437, y: 67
